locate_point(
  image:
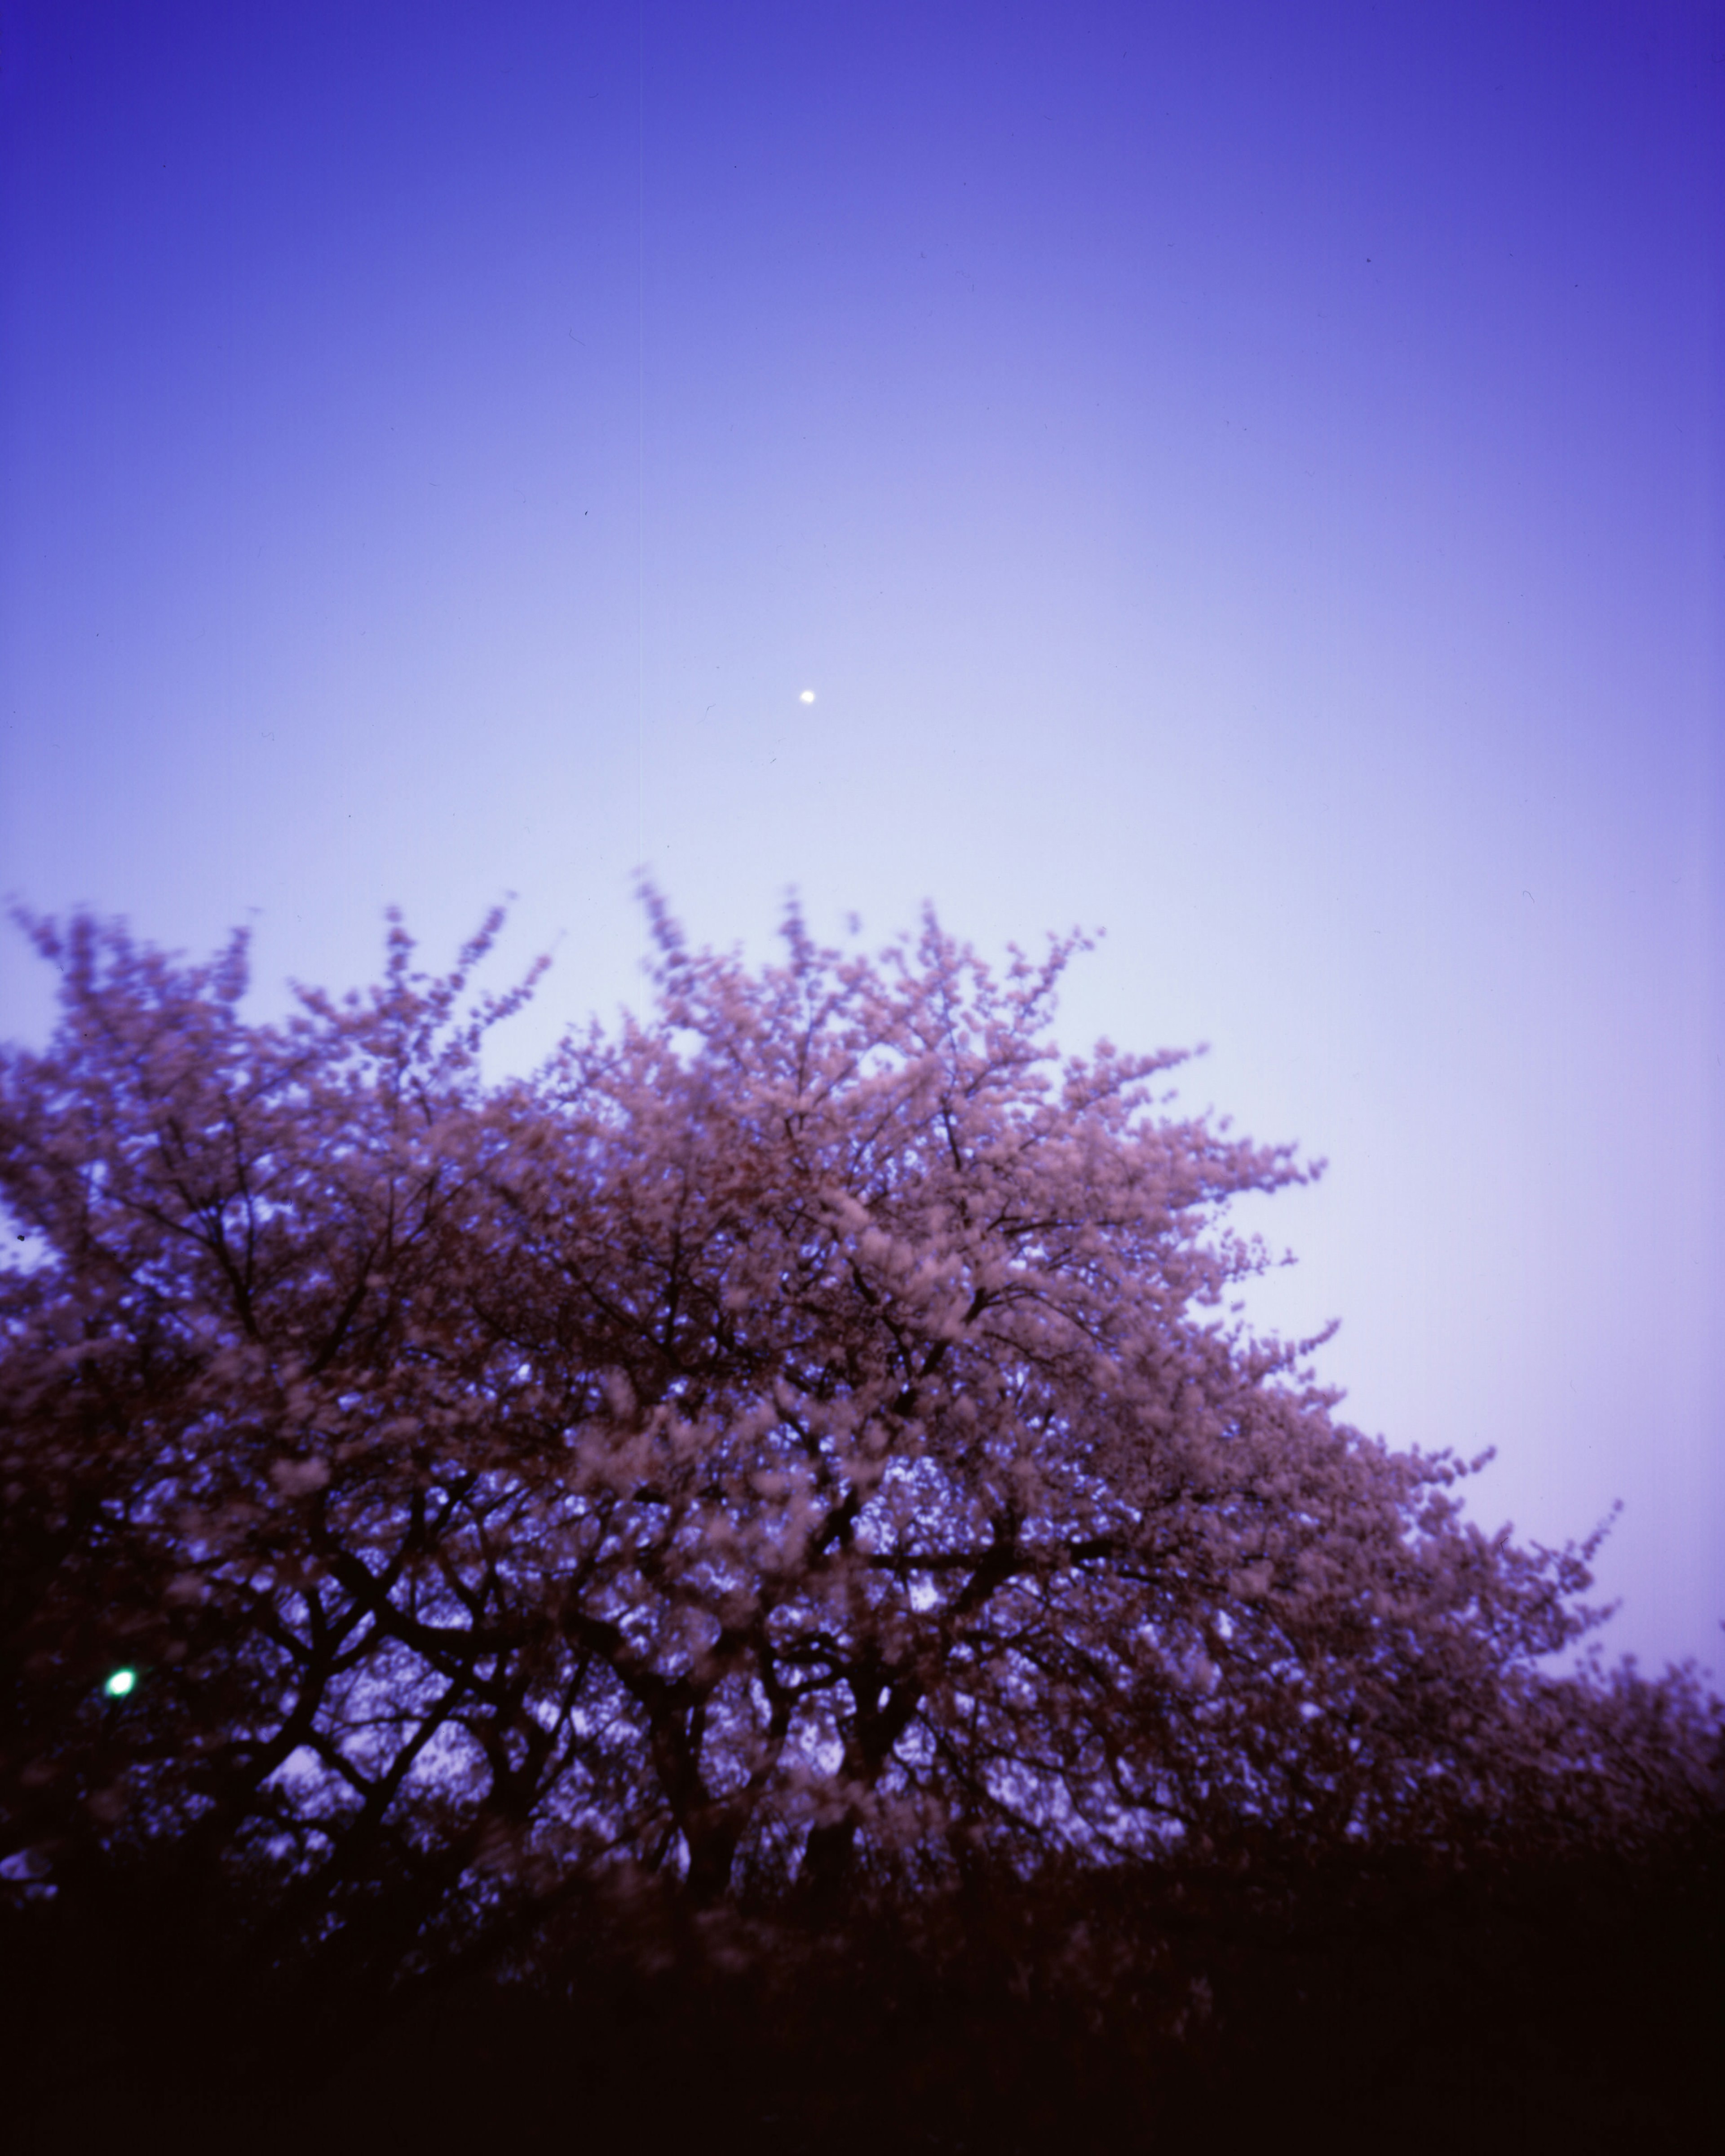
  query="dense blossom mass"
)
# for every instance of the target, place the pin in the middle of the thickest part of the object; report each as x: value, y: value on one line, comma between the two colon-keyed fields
x: 805, y: 1431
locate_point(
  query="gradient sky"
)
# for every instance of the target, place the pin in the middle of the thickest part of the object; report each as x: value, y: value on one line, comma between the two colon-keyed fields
x: 1245, y: 474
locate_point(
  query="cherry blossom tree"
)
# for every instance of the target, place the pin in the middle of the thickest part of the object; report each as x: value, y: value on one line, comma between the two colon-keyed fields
x: 807, y: 1429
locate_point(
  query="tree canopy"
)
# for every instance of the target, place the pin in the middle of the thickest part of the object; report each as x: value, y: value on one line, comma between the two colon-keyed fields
x: 804, y: 1431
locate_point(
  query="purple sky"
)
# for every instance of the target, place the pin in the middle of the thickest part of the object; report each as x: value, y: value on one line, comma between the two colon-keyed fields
x: 1244, y: 475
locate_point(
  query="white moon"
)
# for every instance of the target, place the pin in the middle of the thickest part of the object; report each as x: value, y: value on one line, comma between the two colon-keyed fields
x: 806, y: 696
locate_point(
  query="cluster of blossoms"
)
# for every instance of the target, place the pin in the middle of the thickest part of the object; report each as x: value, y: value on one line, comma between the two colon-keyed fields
x: 808, y: 1425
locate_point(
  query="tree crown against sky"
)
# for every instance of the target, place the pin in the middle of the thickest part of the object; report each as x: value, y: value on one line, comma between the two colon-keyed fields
x: 805, y: 1428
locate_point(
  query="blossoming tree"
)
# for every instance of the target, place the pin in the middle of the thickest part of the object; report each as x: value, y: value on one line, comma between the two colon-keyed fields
x: 807, y: 1426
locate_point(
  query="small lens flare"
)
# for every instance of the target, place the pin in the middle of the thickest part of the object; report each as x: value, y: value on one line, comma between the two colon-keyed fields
x: 121, y: 1682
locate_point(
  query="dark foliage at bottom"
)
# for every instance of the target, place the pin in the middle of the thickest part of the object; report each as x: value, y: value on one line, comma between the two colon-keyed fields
x: 1570, y: 2004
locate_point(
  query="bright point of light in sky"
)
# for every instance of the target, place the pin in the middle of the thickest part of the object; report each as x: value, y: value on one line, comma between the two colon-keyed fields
x: 119, y: 1683
x: 1250, y: 478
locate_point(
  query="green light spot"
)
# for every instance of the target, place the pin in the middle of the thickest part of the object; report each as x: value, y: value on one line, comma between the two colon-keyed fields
x: 119, y: 1683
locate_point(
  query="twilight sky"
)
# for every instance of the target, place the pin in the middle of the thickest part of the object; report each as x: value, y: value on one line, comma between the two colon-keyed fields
x: 1246, y: 474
